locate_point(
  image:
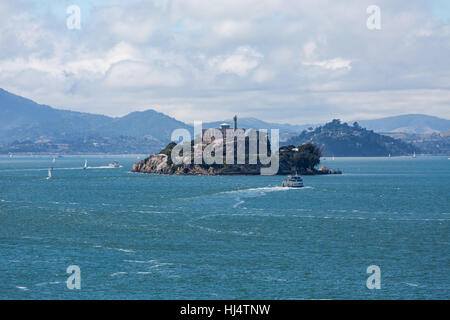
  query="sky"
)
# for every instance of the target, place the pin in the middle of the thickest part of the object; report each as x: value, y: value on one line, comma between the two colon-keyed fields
x: 286, y: 61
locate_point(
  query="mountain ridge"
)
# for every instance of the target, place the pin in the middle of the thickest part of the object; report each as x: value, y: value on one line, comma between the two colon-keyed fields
x: 24, y: 120
x: 27, y: 126
x: 407, y: 123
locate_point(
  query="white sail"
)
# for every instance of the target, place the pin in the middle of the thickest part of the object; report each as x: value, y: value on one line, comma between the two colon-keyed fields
x: 49, y: 174
x: 85, y: 164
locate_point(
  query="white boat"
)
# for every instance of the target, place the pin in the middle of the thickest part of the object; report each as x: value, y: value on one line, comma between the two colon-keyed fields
x: 114, y: 164
x: 414, y: 155
x: 85, y: 164
x: 54, y: 160
x: 293, y: 182
x: 49, y: 176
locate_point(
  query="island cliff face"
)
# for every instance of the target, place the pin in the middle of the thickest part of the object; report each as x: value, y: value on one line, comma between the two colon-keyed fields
x: 156, y: 163
x: 159, y: 164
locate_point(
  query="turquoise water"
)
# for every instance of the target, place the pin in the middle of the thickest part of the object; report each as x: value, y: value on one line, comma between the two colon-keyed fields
x: 138, y: 236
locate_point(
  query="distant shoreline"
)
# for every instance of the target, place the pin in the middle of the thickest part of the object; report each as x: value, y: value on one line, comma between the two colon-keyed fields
x: 146, y: 155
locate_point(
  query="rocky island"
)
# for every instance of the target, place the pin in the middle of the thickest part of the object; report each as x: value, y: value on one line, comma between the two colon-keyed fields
x: 302, y: 159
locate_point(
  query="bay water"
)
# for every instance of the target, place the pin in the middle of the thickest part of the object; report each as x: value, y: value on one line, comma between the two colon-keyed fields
x: 139, y: 236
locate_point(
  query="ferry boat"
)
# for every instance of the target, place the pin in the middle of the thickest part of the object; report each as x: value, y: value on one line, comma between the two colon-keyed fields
x: 114, y: 164
x: 293, y: 182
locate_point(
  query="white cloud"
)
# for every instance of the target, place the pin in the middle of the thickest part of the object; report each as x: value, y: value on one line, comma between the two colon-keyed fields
x: 309, y: 49
x: 284, y: 60
x: 241, y: 62
x: 332, y: 64
x: 137, y: 75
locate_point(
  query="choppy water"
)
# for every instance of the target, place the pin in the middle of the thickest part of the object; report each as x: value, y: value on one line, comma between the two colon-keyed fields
x: 138, y: 236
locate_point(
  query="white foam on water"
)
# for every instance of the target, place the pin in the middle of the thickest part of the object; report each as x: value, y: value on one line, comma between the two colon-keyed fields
x: 47, y: 283
x: 101, y: 167
x: 162, y: 264
x: 124, y: 250
x: 117, y: 274
x: 276, y: 279
x: 410, y: 284
x: 263, y: 190
x: 144, y: 272
x: 239, y: 233
x: 256, y: 191
x: 22, y: 288
x: 140, y: 261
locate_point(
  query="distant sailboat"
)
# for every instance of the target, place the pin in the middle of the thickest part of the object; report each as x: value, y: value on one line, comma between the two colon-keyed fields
x: 10, y: 155
x: 85, y: 164
x: 414, y: 155
x: 389, y: 155
x: 49, y: 176
x: 54, y: 160
x: 332, y: 158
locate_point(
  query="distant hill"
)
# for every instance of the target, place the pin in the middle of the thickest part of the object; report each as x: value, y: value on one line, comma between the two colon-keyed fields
x: 341, y: 140
x: 149, y: 124
x: 429, y: 143
x: 23, y: 119
x: 409, y: 123
x: 26, y: 126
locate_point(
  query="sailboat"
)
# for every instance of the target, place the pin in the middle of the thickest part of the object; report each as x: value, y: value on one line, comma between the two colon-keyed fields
x: 49, y: 176
x: 85, y: 164
x: 414, y: 155
x: 54, y: 160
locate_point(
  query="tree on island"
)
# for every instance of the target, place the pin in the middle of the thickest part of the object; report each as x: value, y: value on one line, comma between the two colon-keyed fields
x: 303, y: 158
x: 307, y: 157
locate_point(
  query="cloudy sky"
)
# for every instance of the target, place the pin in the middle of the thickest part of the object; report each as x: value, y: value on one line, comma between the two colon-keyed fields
x: 278, y: 60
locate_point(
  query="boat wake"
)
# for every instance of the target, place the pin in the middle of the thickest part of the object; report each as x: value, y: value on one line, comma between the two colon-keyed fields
x: 263, y: 190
